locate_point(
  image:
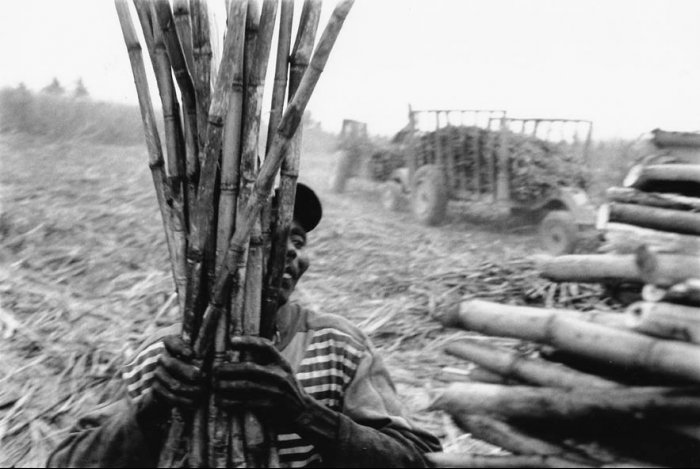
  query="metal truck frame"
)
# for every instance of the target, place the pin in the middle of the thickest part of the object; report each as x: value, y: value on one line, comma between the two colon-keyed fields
x: 431, y: 179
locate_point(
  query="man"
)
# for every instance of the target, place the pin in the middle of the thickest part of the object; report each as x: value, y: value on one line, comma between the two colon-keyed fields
x: 320, y: 384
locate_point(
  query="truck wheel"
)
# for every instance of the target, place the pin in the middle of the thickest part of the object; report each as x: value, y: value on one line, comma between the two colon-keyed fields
x: 392, y: 196
x: 340, y: 174
x: 558, y: 232
x: 429, y: 195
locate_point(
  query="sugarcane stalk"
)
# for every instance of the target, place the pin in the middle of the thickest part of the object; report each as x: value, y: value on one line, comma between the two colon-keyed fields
x: 482, y: 375
x: 237, y: 445
x: 270, y: 218
x: 489, y: 460
x: 511, y: 317
x: 176, y: 238
x: 258, y: 43
x: 183, y: 25
x: 594, y: 268
x: 246, y: 164
x: 665, y: 269
x: 665, y: 219
x: 623, y: 238
x: 201, y: 73
x: 476, y: 373
x: 228, y: 187
x: 279, y: 87
x: 259, y: 30
x: 257, y: 445
x: 649, y: 176
x: 530, y: 370
x: 171, y: 108
x: 175, y: 151
x: 585, y: 339
x: 686, y: 293
x: 300, y: 58
x: 666, y: 320
x: 171, y: 114
x: 218, y: 426
x: 156, y: 162
x: 205, y: 208
x: 273, y: 160
x: 220, y: 423
x: 628, y: 195
x: 463, y: 400
x: 231, y: 154
x: 166, y: 22
x: 303, y: 43
x: 516, y: 441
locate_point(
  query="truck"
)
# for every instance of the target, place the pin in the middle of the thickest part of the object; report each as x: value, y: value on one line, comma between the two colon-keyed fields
x: 472, y: 155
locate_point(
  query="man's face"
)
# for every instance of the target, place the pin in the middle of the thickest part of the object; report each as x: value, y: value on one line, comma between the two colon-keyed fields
x: 296, y: 261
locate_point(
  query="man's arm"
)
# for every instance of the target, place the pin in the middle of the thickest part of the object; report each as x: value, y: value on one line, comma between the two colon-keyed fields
x: 131, y: 431
x: 121, y: 434
x: 372, y: 430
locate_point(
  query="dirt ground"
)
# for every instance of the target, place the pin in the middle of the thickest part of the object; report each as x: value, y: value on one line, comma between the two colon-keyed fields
x: 85, y: 277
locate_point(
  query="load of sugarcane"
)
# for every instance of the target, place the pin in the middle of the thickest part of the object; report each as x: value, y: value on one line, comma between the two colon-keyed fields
x: 226, y: 238
x: 384, y: 159
x: 535, y: 166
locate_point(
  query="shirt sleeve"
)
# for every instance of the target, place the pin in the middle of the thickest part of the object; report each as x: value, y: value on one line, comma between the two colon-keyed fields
x: 125, y: 433
x: 115, y: 435
x: 391, y: 440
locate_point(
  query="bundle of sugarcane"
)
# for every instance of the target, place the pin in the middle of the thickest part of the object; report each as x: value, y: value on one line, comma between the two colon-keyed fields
x: 535, y: 166
x: 227, y: 242
x: 591, y: 389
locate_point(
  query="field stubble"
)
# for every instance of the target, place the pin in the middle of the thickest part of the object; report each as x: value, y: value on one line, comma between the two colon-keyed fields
x: 85, y: 278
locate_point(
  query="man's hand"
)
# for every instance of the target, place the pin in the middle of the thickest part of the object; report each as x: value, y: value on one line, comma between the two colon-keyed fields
x: 178, y: 380
x: 262, y: 381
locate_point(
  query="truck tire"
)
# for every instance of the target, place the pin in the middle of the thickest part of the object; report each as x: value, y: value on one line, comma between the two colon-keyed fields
x: 429, y: 198
x: 392, y: 196
x: 340, y: 174
x: 558, y: 232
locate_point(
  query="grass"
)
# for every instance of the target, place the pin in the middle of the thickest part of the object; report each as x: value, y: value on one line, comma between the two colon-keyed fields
x: 84, y: 273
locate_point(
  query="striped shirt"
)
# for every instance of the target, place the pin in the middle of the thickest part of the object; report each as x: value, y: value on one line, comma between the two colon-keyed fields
x: 324, y: 351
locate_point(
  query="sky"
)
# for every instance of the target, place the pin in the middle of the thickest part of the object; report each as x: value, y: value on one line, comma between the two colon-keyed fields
x: 628, y: 65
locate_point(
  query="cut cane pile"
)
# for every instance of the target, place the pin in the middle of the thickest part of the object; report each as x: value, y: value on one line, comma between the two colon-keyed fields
x: 595, y: 389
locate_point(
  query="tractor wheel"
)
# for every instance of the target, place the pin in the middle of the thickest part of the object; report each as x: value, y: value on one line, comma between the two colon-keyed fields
x: 429, y: 195
x: 341, y: 173
x: 392, y: 196
x: 558, y: 232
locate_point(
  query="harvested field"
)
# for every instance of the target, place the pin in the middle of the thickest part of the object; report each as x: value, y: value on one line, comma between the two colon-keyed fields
x: 85, y: 277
